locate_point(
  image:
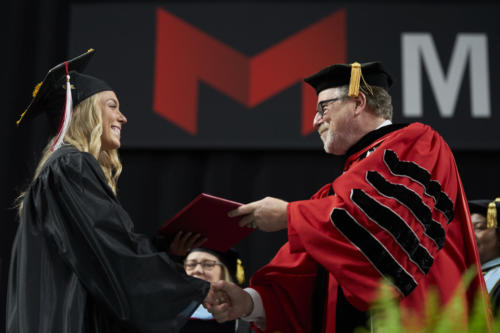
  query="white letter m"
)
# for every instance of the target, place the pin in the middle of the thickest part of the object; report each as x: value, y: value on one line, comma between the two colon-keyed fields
x: 419, y: 47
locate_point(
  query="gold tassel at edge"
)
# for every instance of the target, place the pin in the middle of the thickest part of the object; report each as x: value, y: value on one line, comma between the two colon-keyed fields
x: 21, y: 117
x: 491, y: 215
x: 240, y: 272
x: 355, y: 79
x: 37, y: 88
x: 35, y: 92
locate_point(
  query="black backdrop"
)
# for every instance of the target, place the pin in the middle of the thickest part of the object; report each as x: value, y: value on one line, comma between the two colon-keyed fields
x: 157, y: 183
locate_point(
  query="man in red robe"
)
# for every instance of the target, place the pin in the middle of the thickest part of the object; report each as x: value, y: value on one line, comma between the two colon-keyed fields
x: 397, y: 212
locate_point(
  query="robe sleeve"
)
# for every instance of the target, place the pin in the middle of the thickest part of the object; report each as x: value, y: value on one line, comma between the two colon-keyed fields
x: 120, y: 269
x: 388, y: 217
x: 286, y: 286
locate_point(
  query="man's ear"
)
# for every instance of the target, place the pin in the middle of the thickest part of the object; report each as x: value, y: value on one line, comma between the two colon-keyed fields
x: 360, y: 102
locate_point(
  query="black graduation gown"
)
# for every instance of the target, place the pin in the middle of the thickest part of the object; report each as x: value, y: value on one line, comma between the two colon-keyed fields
x: 78, y: 266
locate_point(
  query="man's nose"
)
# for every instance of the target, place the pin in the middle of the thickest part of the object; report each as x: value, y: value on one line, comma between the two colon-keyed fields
x: 318, y: 119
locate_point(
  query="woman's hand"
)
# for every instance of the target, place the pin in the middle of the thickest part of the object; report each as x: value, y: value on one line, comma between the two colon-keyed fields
x: 185, y: 242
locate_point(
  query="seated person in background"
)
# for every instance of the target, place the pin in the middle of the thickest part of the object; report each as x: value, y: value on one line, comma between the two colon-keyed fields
x: 484, y: 219
x: 211, y: 266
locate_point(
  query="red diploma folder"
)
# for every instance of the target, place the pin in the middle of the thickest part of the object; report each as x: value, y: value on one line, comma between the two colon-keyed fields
x: 207, y: 215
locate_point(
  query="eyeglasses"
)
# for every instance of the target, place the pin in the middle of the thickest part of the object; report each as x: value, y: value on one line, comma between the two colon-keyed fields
x: 321, y: 105
x: 206, y: 265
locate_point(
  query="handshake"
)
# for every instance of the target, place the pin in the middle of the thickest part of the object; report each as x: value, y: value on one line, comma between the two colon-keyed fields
x: 227, y: 301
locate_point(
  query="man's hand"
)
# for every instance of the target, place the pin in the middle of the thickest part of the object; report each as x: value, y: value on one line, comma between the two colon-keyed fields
x: 226, y: 301
x: 185, y: 242
x: 268, y: 214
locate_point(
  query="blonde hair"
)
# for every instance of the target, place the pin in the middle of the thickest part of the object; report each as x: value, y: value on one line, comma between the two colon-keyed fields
x: 225, y: 274
x: 84, y: 133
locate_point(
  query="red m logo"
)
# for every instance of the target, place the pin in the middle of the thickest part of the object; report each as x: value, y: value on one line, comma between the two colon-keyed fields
x: 185, y: 55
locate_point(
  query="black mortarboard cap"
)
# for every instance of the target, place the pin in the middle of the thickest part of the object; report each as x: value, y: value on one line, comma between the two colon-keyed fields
x: 50, y: 94
x: 487, y: 208
x: 231, y: 260
x: 372, y: 73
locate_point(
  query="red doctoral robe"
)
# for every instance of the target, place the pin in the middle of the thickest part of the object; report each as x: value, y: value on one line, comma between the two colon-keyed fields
x: 397, y: 211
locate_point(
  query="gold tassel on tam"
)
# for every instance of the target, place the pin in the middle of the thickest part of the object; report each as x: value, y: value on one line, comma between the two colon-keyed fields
x: 491, y: 215
x: 355, y: 79
x: 240, y: 272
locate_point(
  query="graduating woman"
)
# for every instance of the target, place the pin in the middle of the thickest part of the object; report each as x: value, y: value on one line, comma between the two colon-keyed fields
x: 77, y: 265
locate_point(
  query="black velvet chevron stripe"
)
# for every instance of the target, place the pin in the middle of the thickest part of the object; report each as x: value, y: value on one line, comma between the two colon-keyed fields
x: 373, y: 250
x: 433, y: 229
x: 396, y: 226
x: 422, y: 176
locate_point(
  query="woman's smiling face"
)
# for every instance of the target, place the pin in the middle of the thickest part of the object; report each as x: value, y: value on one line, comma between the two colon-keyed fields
x: 112, y: 120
